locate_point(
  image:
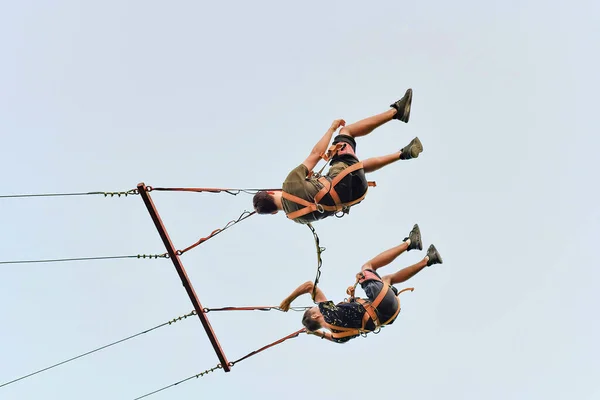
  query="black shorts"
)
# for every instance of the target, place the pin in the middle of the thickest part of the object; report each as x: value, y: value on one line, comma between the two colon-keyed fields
x: 345, y: 158
x: 353, y: 185
x: 389, y: 305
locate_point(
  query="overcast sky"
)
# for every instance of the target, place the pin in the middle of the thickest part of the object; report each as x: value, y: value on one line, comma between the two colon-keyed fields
x: 99, y: 96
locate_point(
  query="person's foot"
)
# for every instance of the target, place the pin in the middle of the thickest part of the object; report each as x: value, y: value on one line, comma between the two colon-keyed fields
x: 403, y: 106
x: 434, y: 256
x: 415, y: 239
x: 411, y: 150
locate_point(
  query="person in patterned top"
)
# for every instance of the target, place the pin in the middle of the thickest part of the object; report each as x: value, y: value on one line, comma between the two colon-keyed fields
x: 346, y: 320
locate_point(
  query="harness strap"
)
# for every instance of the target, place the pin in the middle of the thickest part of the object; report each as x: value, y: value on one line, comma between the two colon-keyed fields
x: 341, y: 331
x: 371, y: 307
x: 309, y: 207
x: 345, y: 172
x: 333, y: 193
x: 371, y: 312
x: 296, y: 199
x: 332, y: 151
x: 328, y: 187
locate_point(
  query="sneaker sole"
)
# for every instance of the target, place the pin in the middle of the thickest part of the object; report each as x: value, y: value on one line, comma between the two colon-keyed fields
x: 406, y: 113
x: 416, y: 147
x: 418, y: 230
x: 436, y: 256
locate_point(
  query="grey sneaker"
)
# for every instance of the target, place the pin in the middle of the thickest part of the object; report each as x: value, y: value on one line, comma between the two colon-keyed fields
x: 434, y: 256
x: 403, y: 106
x: 412, y: 150
x: 415, y: 239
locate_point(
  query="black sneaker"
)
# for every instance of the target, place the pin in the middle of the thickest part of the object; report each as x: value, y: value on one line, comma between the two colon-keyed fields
x: 434, y: 256
x: 412, y: 150
x: 415, y: 239
x: 403, y: 106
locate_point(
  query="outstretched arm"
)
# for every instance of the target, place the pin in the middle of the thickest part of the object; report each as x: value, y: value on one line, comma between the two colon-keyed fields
x: 305, y: 288
x: 322, y: 145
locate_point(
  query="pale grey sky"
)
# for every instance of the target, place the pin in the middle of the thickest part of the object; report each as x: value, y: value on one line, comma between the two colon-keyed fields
x: 103, y: 95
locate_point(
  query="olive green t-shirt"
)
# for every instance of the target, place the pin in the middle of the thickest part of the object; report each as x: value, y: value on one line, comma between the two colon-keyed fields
x: 298, y: 184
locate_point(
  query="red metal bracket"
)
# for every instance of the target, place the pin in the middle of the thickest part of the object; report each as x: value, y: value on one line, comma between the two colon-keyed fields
x: 162, y: 231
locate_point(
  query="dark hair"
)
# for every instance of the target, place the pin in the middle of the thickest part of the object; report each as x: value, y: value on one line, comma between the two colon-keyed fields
x: 264, y: 203
x: 309, y: 322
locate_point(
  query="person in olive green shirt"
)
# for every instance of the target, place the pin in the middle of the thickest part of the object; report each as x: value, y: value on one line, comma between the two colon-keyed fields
x: 303, y: 186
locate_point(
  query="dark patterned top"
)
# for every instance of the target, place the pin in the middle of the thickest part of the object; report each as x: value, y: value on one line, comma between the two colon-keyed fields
x: 347, y: 315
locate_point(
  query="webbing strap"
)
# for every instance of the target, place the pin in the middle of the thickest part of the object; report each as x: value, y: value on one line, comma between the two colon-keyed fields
x: 332, y: 151
x: 370, y: 309
x: 328, y: 155
x: 345, y: 172
x: 371, y: 313
x: 309, y: 207
x: 301, y: 212
x: 341, y: 331
x: 381, y: 295
x: 336, y: 197
x: 296, y: 199
x: 333, y: 193
x: 328, y: 187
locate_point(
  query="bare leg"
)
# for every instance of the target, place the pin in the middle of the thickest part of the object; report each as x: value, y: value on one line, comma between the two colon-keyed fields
x: 367, y: 125
x: 406, y: 273
x: 383, y: 259
x: 374, y: 163
x: 412, y: 150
